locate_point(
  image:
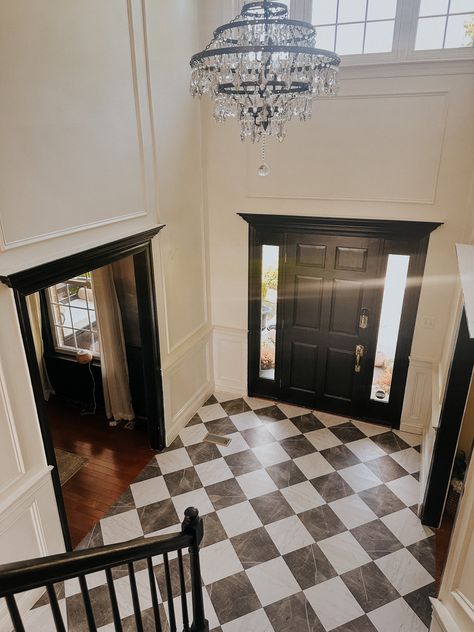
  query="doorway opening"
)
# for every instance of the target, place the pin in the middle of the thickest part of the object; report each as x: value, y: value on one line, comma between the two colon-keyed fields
x: 90, y: 332
x: 332, y: 310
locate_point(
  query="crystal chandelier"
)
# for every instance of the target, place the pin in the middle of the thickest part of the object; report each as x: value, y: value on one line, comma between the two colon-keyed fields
x: 263, y: 68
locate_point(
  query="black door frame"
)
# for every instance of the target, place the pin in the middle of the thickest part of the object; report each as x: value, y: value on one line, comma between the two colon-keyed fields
x: 43, y: 276
x: 398, y: 237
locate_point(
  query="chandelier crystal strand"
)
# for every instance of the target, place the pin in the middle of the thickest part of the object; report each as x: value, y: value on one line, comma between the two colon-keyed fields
x: 264, y: 169
x: 263, y: 69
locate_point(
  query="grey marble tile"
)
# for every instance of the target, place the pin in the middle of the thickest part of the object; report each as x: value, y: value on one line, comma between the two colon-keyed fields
x: 363, y: 624
x: 160, y: 575
x: 182, y: 481
x: 370, y: 587
x: 195, y: 420
x: 340, y: 456
x: 44, y: 600
x: 376, y: 539
x: 347, y: 432
x: 177, y: 443
x: 271, y: 507
x: 223, y: 426
x: 233, y: 597
x: 243, y: 462
x: 425, y: 552
x: 390, y: 442
x: 235, y: 406
x: 149, y: 471
x: 213, y: 530
x: 419, y: 602
x: 257, y: 436
x: 100, y: 602
x: 309, y: 566
x: 285, y: 474
x: 297, y: 446
x: 254, y: 547
x: 124, y: 503
x: 381, y: 500
x: 386, y: 468
x: 269, y: 414
x: 158, y: 516
x: 203, y: 452
x: 322, y: 522
x: 293, y: 614
x: 225, y: 494
x: 148, y: 621
x: 307, y: 423
x: 211, y: 400
x: 332, y: 487
x: 93, y: 538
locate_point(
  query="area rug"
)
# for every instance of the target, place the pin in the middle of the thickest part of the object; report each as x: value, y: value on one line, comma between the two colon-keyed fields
x: 68, y: 464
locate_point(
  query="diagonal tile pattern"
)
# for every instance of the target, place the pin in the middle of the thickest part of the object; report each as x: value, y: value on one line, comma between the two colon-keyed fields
x: 309, y: 523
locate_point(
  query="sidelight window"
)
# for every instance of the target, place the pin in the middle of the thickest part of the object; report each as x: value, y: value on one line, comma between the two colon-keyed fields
x: 268, y: 320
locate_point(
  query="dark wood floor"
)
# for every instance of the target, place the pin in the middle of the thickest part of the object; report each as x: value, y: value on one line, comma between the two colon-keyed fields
x: 115, y: 457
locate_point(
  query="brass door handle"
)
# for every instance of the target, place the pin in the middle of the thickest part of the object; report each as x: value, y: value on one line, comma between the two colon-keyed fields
x: 359, y: 353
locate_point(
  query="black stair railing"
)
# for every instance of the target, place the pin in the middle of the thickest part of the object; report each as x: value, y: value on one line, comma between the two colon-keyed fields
x: 46, y: 571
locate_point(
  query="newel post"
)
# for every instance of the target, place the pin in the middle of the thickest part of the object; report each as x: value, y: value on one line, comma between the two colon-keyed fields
x: 193, y: 526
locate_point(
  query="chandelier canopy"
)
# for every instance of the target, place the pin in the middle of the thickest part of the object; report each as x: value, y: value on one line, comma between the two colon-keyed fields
x: 263, y: 68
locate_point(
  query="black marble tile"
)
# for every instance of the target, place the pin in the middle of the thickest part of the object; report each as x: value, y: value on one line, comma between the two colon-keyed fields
x: 309, y: 566
x: 254, y: 547
x: 158, y: 516
x: 416, y: 475
x: 173, y: 564
x: 124, y: 503
x: 286, y: 474
x: 182, y: 481
x: 44, y: 600
x: 177, y: 443
x: 194, y: 421
x: 100, y: 602
x: 417, y: 448
x: 419, y: 602
x: 211, y: 400
x: 269, y: 414
x: 340, y: 456
x: 233, y: 597
x: 236, y: 406
x: 381, y: 500
x: 297, y: 446
x: 390, y: 442
x: 293, y: 614
x: 149, y: 471
x: 376, y: 539
x: 322, y: 522
x: 332, y: 487
x: 370, y: 587
x: 257, y: 436
x: 271, y: 507
x: 148, y: 621
x: 213, y: 530
x: 225, y: 493
x: 425, y: 552
x: 243, y: 462
x: 363, y: 624
x: 386, y: 468
x: 223, y: 426
x: 93, y: 538
x: 203, y: 452
x: 307, y: 423
x: 347, y: 432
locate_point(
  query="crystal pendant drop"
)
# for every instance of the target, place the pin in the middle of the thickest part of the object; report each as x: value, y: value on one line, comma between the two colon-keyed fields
x: 263, y: 170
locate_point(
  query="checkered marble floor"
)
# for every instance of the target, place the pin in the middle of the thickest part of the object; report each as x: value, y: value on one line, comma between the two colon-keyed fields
x: 310, y: 524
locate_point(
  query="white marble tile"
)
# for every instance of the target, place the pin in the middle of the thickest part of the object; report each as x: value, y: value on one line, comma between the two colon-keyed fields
x: 239, y: 518
x: 256, y: 403
x: 244, y: 421
x: 254, y: 622
x: 344, y: 552
x: 237, y: 444
x: 313, y: 465
x: 333, y: 603
x: 283, y: 429
x: 404, y: 571
x: 197, y: 498
x: 409, y: 459
x: 256, y: 483
x: 122, y: 527
x: 396, y: 616
x: 213, y: 471
x: 292, y: 411
x: 173, y: 461
x: 289, y: 534
x: 323, y: 439
x: 72, y: 587
x: 359, y: 477
x: 352, y: 511
x: 330, y: 420
x: 365, y: 449
x: 302, y: 497
x: 218, y: 561
x: 193, y: 434
x: 407, y: 489
x: 272, y: 581
x: 409, y: 437
x: 406, y: 526
x: 370, y: 430
x: 211, y: 412
x: 124, y: 596
x: 152, y: 490
x: 211, y: 615
x: 270, y: 454
x: 41, y: 618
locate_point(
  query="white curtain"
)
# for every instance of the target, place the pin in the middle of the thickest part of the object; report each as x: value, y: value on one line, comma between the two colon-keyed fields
x: 113, y: 360
x: 34, y: 311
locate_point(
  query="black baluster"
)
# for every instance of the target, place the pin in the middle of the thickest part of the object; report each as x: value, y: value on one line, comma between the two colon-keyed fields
x: 53, y: 602
x: 154, y: 595
x: 113, y: 600
x: 182, y: 582
x: 193, y: 525
x: 14, y: 613
x: 87, y: 604
x: 169, y: 593
x: 135, y: 600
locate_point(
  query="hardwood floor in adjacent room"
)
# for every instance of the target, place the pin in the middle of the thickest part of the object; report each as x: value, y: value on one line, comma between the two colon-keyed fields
x: 115, y: 457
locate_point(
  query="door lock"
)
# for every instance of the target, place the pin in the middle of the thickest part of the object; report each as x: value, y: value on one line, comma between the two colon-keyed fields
x: 364, y: 318
x: 359, y: 353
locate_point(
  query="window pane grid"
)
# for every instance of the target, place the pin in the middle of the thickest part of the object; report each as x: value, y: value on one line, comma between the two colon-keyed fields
x: 433, y: 29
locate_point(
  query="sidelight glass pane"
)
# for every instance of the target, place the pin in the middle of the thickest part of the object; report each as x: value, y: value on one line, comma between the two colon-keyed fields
x: 270, y: 256
x: 389, y: 328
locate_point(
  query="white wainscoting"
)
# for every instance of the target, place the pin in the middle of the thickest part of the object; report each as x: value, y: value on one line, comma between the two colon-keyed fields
x: 230, y: 360
x: 417, y: 402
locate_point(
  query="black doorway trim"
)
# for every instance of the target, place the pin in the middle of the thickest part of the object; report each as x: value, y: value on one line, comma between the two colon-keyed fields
x: 43, y: 276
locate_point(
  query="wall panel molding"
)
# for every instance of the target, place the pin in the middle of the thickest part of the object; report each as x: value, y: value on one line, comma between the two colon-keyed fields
x: 417, y: 403
x: 230, y: 360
